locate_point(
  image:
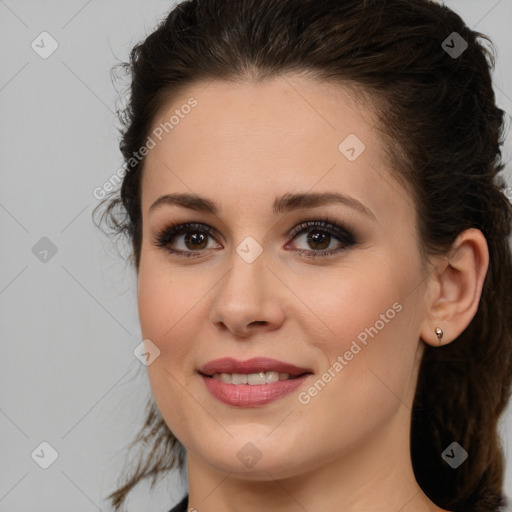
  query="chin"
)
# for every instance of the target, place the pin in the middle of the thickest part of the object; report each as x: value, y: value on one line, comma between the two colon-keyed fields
x: 255, y: 461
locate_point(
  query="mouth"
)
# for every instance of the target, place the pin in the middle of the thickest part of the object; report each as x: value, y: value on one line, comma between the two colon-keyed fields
x: 254, y: 368
x: 252, y: 383
x: 253, y: 379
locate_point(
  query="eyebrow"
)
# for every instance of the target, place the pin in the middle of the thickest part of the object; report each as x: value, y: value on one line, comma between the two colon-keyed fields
x: 282, y: 204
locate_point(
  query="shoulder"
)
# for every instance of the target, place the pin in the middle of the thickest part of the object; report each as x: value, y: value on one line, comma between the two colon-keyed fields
x: 181, y: 506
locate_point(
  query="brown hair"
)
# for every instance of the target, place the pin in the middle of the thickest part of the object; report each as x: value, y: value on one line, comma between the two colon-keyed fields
x: 438, y: 115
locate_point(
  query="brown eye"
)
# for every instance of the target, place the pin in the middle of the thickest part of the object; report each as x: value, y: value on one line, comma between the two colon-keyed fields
x: 195, y: 238
x: 320, y: 235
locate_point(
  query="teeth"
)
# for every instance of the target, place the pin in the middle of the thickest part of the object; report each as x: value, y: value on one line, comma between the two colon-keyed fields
x: 252, y: 379
x: 239, y: 378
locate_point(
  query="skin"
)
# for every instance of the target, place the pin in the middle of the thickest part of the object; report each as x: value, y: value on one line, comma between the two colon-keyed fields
x: 348, y: 448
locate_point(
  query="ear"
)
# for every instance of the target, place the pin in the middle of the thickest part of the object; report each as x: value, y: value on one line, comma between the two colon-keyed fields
x: 454, y: 288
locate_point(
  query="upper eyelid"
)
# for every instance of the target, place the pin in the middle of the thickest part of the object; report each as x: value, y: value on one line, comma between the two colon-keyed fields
x: 321, y: 224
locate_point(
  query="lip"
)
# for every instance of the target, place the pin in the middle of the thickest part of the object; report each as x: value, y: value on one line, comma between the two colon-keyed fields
x: 247, y: 395
x: 254, y: 365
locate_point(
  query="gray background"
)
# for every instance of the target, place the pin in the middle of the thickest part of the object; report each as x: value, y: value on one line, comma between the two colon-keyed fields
x: 69, y: 324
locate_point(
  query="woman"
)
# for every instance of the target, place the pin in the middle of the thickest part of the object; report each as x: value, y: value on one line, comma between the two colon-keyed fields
x: 319, y: 231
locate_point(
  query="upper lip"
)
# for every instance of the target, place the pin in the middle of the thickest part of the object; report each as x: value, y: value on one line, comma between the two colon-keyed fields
x: 254, y: 365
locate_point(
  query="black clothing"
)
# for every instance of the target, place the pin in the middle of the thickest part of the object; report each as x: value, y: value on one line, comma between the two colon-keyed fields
x: 181, y: 506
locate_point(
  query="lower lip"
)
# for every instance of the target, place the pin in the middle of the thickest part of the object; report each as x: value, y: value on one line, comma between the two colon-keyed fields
x: 246, y: 395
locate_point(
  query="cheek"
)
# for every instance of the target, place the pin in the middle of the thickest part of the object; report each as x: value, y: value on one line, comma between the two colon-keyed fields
x: 351, y: 301
x: 369, y: 326
x: 154, y: 303
x: 163, y: 297
x: 163, y: 305
x: 163, y: 308
x: 171, y: 306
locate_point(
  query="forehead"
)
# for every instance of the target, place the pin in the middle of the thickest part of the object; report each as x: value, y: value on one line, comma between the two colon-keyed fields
x: 252, y: 141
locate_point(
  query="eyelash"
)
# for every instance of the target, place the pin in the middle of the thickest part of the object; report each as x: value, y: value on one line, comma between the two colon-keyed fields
x: 327, y: 225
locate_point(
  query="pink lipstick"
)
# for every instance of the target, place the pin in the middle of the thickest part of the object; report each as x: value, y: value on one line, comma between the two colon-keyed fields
x: 253, y: 382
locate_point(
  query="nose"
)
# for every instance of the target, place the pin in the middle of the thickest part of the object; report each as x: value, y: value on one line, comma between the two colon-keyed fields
x: 247, y: 299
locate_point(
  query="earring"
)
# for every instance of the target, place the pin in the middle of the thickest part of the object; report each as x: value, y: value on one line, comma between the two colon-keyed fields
x: 439, y: 333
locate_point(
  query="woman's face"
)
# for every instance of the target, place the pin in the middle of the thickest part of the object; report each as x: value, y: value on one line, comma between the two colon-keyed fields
x: 351, y: 317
